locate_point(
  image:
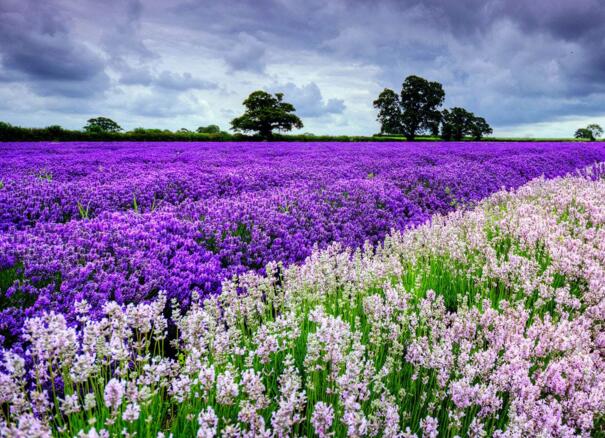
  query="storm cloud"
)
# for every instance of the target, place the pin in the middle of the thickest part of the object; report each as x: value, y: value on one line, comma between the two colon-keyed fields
x: 528, y: 67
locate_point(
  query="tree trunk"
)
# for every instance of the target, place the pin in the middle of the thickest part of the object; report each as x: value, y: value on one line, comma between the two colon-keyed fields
x: 266, y: 133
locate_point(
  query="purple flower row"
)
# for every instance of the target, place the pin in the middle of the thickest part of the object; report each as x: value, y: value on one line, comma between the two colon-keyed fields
x: 123, y: 221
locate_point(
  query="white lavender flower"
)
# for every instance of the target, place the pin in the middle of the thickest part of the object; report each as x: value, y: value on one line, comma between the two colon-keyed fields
x: 114, y: 391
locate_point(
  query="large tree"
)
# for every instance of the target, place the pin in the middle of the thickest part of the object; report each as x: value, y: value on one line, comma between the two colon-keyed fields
x: 414, y: 110
x: 458, y: 123
x: 102, y: 124
x: 265, y: 113
x: 591, y: 132
x: 420, y: 101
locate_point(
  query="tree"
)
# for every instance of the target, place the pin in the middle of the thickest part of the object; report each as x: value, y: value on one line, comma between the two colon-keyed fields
x: 264, y: 113
x: 55, y: 129
x: 458, y: 123
x: 389, y: 112
x: 210, y: 129
x: 420, y: 102
x: 591, y: 132
x: 479, y: 128
x: 415, y: 110
x: 102, y: 125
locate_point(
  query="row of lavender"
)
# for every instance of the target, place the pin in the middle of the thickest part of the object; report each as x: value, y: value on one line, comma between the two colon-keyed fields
x: 485, y: 323
x: 123, y: 221
x: 59, y: 182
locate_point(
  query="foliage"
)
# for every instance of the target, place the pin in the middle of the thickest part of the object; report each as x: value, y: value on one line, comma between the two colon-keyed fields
x: 458, y: 123
x: 11, y: 133
x: 420, y: 102
x: 210, y: 129
x: 480, y: 128
x: 15, y: 133
x: 55, y: 130
x: 102, y: 125
x: 265, y: 113
x: 414, y: 111
x: 389, y: 112
x: 591, y: 132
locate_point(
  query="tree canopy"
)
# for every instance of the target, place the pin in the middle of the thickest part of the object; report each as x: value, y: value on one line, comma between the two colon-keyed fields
x: 479, y: 128
x: 389, y: 112
x: 591, y: 132
x: 414, y: 110
x: 102, y: 124
x: 458, y: 123
x: 210, y: 129
x: 265, y: 113
x: 420, y: 102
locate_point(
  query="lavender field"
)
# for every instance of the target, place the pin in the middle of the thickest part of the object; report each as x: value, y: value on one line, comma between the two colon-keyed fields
x: 302, y: 289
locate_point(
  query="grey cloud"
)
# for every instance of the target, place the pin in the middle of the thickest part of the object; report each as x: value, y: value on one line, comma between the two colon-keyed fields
x: 293, y: 23
x: 246, y: 53
x: 514, y: 61
x: 162, y: 105
x: 136, y: 76
x: 164, y: 79
x: 122, y: 35
x: 182, y: 82
x: 309, y: 101
x: 88, y: 88
x: 39, y: 50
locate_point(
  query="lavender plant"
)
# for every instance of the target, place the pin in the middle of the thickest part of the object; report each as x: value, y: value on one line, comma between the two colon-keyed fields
x: 211, y: 211
x: 482, y: 323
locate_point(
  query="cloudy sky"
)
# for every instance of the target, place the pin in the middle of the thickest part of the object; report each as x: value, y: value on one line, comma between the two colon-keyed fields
x: 532, y: 68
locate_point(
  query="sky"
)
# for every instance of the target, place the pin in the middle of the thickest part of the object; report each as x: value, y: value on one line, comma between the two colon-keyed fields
x: 531, y: 68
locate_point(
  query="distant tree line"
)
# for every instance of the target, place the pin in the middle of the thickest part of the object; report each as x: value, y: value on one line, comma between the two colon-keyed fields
x: 10, y: 132
x: 108, y: 130
x: 416, y: 110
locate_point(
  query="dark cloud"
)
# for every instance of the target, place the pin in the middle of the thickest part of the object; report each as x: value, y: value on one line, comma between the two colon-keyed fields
x: 292, y: 23
x: 122, y: 31
x: 529, y: 39
x: 246, y: 52
x: 38, y: 48
x: 514, y: 61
